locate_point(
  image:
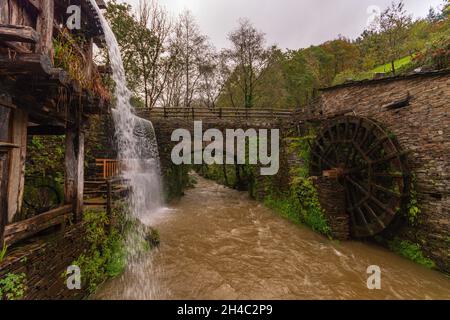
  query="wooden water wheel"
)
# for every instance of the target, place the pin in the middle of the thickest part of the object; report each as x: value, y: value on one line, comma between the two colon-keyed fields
x: 370, y: 164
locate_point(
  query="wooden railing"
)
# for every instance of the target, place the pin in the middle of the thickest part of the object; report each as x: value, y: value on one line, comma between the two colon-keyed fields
x: 109, y: 168
x: 25, y: 229
x: 200, y: 113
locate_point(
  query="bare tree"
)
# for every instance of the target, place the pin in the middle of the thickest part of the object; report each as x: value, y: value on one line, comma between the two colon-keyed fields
x: 190, y: 47
x: 214, y: 76
x: 248, y: 58
x: 151, y: 46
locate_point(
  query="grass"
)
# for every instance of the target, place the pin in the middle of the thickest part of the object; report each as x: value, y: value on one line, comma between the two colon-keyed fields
x: 399, y: 64
x: 411, y: 251
x: 388, y: 66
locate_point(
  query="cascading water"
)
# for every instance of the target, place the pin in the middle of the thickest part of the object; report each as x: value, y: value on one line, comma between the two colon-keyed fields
x: 138, y: 152
x: 137, y: 145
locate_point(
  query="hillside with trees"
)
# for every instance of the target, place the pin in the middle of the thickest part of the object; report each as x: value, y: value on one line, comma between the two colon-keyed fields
x: 171, y: 63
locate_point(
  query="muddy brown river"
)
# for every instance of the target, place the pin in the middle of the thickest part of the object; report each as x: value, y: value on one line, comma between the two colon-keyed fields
x: 217, y: 243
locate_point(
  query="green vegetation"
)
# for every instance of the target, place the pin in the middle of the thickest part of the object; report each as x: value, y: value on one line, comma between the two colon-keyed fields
x: 401, y: 65
x: 44, y: 175
x: 12, y: 286
x: 387, y: 68
x: 413, y: 209
x: 300, y: 205
x: 176, y: 180
x: 106, y: 256
x: 301, y: 202
x: 411, y: 251
x: 67, y: 56
x: 3, y: 252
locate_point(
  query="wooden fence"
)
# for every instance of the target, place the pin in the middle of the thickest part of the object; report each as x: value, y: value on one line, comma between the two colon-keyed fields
x: 109, y: 168
x: 200, y: 113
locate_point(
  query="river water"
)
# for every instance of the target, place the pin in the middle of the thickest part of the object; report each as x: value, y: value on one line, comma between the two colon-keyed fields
x: 217, y: 243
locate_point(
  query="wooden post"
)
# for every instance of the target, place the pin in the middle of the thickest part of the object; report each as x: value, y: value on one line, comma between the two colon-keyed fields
x: 74, y: 171
x: 4, y: 137
x: 4, y: 14
x: 45, y: 27
x: 89, y: 49
x: 3, y: 202
x: 17, y: 157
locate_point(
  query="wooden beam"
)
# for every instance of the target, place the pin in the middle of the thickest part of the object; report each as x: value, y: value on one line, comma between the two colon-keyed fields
x: 18, y: 34
x: 19, y: 123
x: 74, y: 169
x: 101, y: 4
x: 45, y: 27
x: 3, y: 198
x: 6, y: 101
x: 16, y: 46
x: 35, y: 4
x: 46, y: 130
x: 30, y: 227
x: 4, y: 12
x: 30, y: 63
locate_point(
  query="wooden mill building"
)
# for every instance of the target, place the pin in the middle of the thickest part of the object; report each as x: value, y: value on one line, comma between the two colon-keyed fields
x: 49, y: 85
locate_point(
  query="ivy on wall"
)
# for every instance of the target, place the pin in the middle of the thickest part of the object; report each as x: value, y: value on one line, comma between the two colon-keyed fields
x: 301, y: 202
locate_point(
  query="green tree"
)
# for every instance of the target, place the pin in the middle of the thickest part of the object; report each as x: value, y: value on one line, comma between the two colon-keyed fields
x: 392, y: 28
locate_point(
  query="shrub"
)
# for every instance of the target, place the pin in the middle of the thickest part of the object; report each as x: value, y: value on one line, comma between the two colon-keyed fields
x: 12, y: 286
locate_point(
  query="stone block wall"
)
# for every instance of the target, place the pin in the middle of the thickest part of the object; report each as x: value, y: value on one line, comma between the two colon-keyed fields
x: 422, y: 127
x: 45, y: 261
x: 332, y: 200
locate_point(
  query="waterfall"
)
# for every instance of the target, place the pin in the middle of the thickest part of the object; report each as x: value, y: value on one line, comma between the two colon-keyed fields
x: 136, y: 139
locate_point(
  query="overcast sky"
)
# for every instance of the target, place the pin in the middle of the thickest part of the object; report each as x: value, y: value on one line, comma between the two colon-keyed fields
x: 289, y: 24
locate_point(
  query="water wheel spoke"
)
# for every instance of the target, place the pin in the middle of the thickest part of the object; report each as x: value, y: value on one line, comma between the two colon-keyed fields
x: 376, y: 145
x: 386, y: 190
x: 382, y: 206
x: 365, y: 137
x: 387, y: 158
x: 352, y: 213
x: 374, y: 215
x: 389, y: 174
x: 358, y: 126
x: 347, y: 126
x: 357, y: 185
x: 322, y: 159
x: 366, y: 224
